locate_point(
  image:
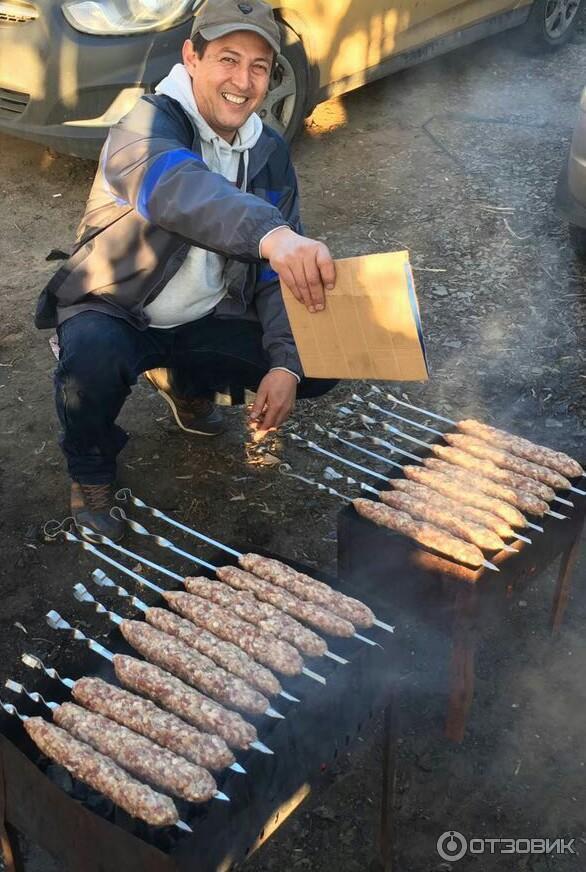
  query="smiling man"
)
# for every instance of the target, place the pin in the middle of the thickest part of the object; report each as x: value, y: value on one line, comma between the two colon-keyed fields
x: 193, y: 215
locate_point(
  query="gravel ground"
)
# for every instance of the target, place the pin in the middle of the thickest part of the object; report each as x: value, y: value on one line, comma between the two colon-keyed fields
x: 457, y: 161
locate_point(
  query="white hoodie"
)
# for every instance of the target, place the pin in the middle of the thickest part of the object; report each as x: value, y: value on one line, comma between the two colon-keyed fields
x: 198, y: 285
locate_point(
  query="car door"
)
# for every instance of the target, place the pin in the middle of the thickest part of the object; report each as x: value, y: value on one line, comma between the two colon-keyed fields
x: 345, y: 38
x: 429, y: 20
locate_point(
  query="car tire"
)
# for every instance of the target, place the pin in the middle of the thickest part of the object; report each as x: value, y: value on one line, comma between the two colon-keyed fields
x: 550, y: 25
x: 578, y: 240
x: 286, y: 105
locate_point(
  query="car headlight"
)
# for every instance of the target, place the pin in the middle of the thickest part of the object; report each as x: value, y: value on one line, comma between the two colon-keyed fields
x: 107, y: 17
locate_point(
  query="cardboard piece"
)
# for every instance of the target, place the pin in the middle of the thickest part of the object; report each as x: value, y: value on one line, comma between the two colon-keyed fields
x: 370, y: 328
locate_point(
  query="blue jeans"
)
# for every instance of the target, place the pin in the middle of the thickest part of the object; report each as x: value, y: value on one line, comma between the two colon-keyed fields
x: 102, y: 356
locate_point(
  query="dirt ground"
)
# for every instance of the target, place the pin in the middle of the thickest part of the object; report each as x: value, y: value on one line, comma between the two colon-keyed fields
x: 457, y: 161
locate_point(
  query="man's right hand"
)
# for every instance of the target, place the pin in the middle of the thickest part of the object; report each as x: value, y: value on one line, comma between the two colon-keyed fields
x: 304, y: 265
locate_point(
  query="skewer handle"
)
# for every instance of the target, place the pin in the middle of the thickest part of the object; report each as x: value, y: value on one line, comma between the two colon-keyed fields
x: 100, y: 554
x: 56, y: 622
x: 314, y: 447
x: 126, y: 494
x: 12, y: 710
x: 409, y: 421
x: 118, y: 512
x: 332, y: 434
x: 101, y: 579
x: 376, y: 390
x: 329, y: 472
x: 16, y: 687
x: 284, y: 469
x: 103, y: 540
x: 36, y: 663
x: 82, y: 595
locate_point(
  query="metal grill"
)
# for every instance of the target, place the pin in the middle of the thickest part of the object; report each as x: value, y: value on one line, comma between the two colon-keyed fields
x: 445, y: 609
x: 323, y: 722
x: 12, y: 103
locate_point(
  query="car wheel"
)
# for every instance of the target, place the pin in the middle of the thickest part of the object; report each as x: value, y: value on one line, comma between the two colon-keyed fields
x: 550, y: 24
x: 578, y: 240
x: 285, y: 106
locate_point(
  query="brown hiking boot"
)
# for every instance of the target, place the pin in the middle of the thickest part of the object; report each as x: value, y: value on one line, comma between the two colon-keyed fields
x: 196, y: 415
x: 90, y: 507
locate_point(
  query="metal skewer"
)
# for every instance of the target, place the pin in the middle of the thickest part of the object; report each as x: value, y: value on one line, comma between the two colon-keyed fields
x: 15, y: 687
x: 330, y: 490
x: 12, y: 710
x: 83, y: 543
x: 376, y: 390
x: 102, y: 580
x: 374, y: 406
x: 389, y: 428
x: 125, y: 494
x: 82, y: 595
x: 393, y: 399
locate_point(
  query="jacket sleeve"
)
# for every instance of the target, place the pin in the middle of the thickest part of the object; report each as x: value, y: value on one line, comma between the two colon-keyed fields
x: 147, y: 165
x: 278, y: 340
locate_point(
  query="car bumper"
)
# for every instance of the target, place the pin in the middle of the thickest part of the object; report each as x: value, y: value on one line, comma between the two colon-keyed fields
x: 571, y: 188
x: 64, y: 88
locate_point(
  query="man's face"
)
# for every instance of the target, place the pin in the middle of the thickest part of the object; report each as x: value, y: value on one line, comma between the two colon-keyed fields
x: 231, y: 80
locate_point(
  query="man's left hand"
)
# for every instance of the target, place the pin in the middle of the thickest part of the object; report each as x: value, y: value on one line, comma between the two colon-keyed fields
x: 275, y: 400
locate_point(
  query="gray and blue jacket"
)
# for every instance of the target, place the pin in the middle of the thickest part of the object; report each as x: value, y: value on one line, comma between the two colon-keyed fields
x: 153, y: 197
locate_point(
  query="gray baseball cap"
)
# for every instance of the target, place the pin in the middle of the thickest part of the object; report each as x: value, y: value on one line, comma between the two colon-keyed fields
x: 220, y: 17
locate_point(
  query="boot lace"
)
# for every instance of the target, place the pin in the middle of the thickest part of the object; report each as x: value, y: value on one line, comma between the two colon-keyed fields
x: 97, y: 497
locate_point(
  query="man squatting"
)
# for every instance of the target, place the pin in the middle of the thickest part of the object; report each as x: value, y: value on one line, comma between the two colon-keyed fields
x: 192, y: 217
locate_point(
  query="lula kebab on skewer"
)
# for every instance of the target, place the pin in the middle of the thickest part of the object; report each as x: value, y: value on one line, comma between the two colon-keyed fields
x: 300, y: 584
x: 516, y: 471
x: 436, y: 481
x: 519, y: 499
x: 144, y: 717
x: 459, y: 456
x: 165, y: 689
x: 99, y: 772
x: 437, y: 512
x: 518, y: 445
x: 448, y: 497
x: 222, y: 623
x: 314, y: 615
x: 421, y: 531
x: 137, y: 754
